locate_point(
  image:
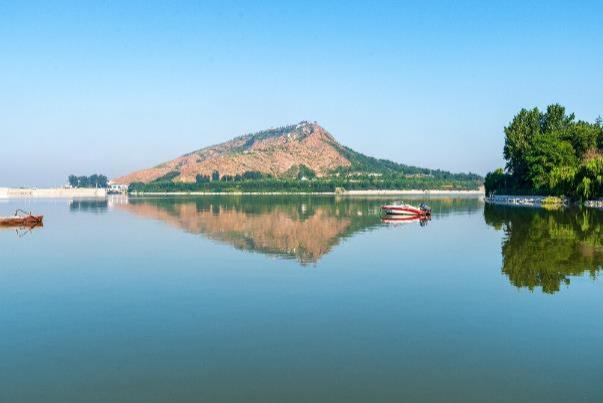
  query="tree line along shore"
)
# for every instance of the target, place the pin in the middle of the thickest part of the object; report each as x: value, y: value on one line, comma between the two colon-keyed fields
x: 303, y: 180
x: 304, y: 184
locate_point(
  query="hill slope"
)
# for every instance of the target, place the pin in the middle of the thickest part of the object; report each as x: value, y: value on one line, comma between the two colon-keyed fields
x: 275, y: 152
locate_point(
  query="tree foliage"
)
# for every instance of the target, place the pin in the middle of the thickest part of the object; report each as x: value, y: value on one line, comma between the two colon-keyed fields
x: 92, y: 181
x: 550, y: 153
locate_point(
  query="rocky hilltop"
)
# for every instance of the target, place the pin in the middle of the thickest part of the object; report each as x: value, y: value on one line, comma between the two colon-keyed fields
x: 276, y: 152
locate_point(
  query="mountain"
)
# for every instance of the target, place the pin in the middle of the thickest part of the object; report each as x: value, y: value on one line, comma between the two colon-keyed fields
x: 281, y: 153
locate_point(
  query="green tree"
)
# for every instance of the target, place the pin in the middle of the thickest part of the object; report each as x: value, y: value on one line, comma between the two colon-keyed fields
x: 73, y: 182
x: 599, y: 125
x: 562, y: 180
x: 252, y: 175
x: 518, y: 137
x: 103, y: 182
x: 546, y: 153
x: 583, y: 136
x: 496, y: 181
x: 83, y: 181
x: 93, y: 181
x: 305, y: 172
x: 589, y: 179
x: 200, y: 179
x: 555, y: 119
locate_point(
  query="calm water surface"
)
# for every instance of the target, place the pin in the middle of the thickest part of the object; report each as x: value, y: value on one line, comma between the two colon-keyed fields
x: 301, y: 299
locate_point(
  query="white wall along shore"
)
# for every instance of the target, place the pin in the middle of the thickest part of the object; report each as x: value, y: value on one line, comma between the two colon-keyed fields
x: 20, y: 193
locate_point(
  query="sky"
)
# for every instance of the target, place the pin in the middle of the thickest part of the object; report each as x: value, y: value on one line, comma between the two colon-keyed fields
x: 112, y: 86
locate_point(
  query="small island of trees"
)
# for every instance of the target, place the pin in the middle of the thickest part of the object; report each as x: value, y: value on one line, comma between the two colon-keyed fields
x: 551, y: 154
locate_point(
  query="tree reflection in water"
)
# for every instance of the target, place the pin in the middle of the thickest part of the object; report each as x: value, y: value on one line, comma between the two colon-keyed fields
x: 545, y: 248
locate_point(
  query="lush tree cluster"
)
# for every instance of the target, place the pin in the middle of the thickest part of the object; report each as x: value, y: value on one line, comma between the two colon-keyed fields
x: 92, y: 181
x: 299, y: 172
x: 550, y: 153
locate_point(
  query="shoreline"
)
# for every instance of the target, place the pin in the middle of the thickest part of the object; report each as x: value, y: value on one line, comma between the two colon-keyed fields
x: 432, y: 192
x: 540, y: 202
x: 523, y: 201
x: 86, y: 193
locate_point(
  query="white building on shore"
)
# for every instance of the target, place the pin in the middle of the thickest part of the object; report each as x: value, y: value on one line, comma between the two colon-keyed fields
x: 116, y: 188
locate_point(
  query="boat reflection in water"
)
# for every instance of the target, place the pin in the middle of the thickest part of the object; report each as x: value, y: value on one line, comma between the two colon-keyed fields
x: 22, y: 230
x: 304, y: 228
x: 544, y: 248
x: 394, y: 219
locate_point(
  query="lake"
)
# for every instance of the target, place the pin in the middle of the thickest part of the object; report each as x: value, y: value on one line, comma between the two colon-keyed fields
x: 300, y: 299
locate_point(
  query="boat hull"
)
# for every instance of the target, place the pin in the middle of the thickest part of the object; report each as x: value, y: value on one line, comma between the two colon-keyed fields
x: 29, y: 221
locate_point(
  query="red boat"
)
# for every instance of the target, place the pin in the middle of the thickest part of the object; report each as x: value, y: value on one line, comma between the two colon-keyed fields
x: 22, y: 219
x: 406, y: 209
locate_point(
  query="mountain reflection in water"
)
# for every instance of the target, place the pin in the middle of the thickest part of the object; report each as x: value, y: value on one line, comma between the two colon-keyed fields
x: 544, y: 248
x: 303, y: 228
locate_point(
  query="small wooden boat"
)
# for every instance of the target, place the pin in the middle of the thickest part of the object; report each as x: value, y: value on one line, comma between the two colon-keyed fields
x: 22, y: 219
x: 406, y: 209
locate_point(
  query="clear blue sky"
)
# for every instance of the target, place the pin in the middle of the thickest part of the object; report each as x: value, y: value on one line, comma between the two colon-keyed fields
x: 114, y: 86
